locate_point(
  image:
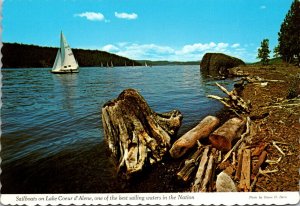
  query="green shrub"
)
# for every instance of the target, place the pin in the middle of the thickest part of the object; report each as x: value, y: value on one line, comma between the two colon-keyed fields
x: 294, y: 89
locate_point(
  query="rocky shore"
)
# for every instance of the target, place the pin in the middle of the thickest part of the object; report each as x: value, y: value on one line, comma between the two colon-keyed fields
x: 275, y: 113
x: 273, y: 94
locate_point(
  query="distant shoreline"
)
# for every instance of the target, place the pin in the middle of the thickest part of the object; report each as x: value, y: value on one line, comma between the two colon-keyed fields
x: 34, y: 56
x: 17, y: 55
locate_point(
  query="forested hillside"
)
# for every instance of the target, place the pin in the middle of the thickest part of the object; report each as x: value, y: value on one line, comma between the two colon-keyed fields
x: 30, y: 56
x: 164, y: 63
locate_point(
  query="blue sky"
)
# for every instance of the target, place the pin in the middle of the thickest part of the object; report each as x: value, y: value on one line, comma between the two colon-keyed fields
x: 175, y: 30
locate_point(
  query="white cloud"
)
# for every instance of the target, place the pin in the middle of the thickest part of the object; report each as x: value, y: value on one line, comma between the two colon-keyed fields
x: 235, y: 45
x: 221, y: 46
x: 122, y: 44
x: 189, y: 52
x: 126, y: 15
x: 262, y: 7
x: 140, y: 51
x: 198, y: 47
x: 197, y: 50
x: 110, y: 48
x: 92, y: 16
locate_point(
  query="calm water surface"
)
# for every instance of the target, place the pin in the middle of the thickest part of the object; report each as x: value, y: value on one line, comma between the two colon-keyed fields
x: 52, y: 135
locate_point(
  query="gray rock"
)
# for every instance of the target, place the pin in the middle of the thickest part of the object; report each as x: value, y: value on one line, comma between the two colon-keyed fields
x: 224, y: 183
x: 217, y: 64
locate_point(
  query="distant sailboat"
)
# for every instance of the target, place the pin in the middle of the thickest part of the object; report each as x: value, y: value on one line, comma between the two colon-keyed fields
x: 65, y: 61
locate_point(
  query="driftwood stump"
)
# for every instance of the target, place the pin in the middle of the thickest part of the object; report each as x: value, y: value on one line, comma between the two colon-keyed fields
x: 135, y: 134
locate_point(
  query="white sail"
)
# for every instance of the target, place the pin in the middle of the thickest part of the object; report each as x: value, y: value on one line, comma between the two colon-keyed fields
x: 57, y: 63
x: 65, y: 61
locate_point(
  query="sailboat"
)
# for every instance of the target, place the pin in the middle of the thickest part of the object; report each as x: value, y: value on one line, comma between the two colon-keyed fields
x: 65, y: 61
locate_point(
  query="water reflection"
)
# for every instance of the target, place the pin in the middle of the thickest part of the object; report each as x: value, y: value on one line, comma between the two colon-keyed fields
x: 65, y: 86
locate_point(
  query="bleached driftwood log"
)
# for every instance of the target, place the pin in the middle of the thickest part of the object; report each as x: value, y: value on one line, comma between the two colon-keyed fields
x: 189, y: 139
x: 190, y: 165
x: 209, y: 170
x: 257, y: 79
x: 246, y: 171
x: 135, y: 134
x: 206, y: 170
x: 201, y: 171
x: 222, y: 137
x: 239, y: 165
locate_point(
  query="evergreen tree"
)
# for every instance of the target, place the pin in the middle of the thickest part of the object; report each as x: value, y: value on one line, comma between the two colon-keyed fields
x: 289, y: 34
x: 276, y: 52
x: 264, y: 52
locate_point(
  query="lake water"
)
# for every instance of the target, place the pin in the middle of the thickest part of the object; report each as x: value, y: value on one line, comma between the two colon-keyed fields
x: 52, y: 135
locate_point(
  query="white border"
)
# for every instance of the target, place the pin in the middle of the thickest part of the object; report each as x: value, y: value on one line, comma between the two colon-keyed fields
x: 214, y: 198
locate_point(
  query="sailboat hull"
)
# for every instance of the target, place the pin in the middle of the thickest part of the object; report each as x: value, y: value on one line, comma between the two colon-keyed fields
x: 65, y: 71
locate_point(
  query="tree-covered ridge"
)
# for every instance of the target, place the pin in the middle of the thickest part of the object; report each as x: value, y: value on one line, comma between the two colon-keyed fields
x: 16, y: 55
x: 167, y: 63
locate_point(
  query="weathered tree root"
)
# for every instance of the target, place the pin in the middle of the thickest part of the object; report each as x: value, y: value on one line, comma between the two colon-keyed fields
x: 234, y: 102
x: 135, y: 134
